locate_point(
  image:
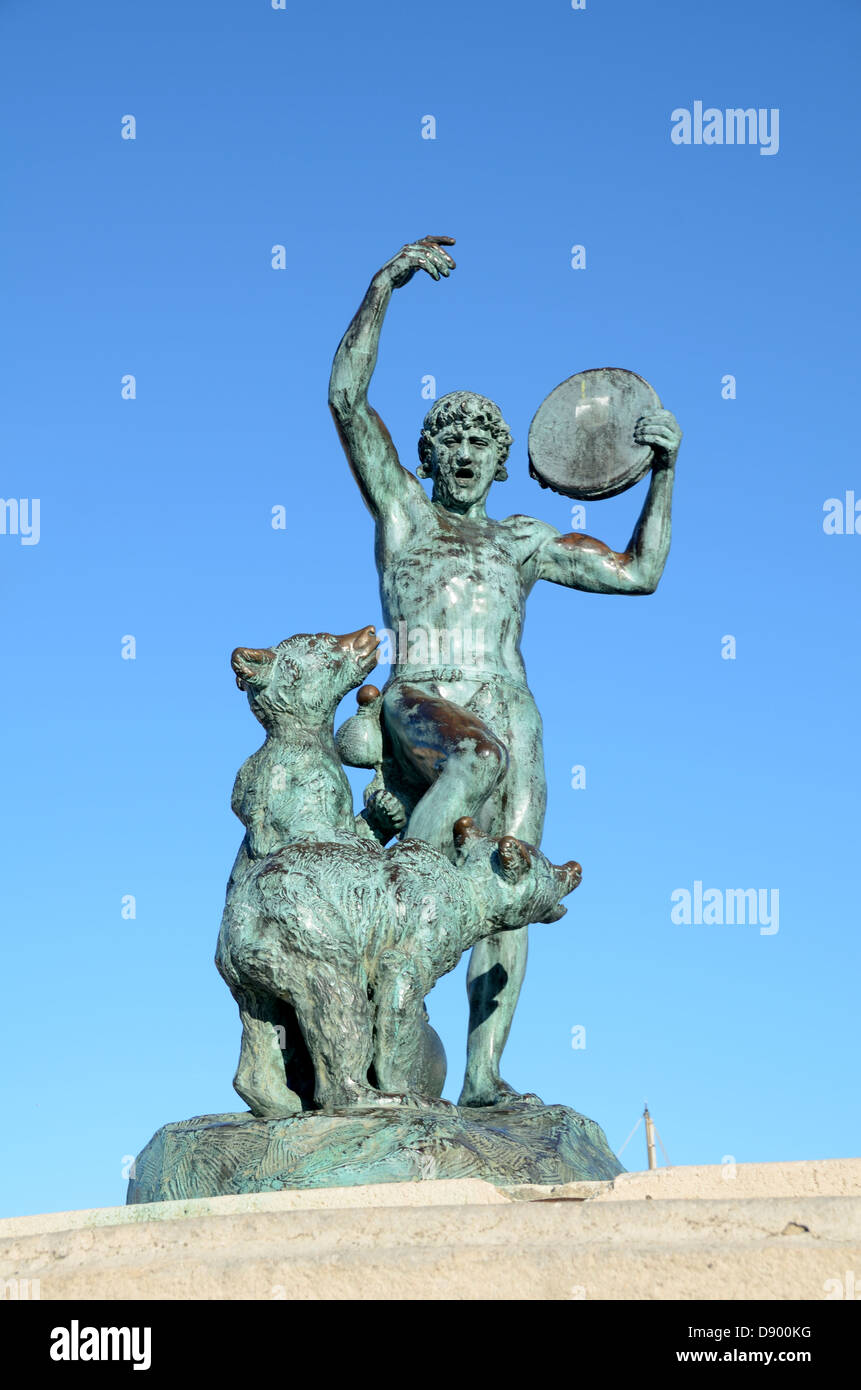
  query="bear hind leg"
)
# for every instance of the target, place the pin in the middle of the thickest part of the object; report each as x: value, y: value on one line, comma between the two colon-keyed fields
x: 400, y: 1029
x: 260, y: 1077
x: 334, y: 1016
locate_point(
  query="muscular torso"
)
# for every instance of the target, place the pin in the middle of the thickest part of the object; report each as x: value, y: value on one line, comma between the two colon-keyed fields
x: 463, y: 584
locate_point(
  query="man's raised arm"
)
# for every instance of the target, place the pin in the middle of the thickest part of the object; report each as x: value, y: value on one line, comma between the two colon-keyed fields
x: 367, y: 443
x: 579, y: 562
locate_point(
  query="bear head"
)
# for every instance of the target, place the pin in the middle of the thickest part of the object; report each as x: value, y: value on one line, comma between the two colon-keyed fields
x: 521, y: 882
x: 305, y: 676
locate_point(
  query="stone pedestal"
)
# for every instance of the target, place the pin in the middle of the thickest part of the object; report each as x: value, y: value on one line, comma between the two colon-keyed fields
x: 758, y: 1231
x: 221, y: 1155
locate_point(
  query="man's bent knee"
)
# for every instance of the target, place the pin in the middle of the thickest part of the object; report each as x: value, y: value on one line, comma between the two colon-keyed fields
x: 490, y: 761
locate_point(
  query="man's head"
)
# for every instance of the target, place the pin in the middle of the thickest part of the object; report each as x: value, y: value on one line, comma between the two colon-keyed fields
x: 463, y: 447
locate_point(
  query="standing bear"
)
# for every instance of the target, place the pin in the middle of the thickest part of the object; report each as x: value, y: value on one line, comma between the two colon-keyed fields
x: 328, y: 942
x: 353, y: 939
x: 294, y: 787
x: 294, y: 790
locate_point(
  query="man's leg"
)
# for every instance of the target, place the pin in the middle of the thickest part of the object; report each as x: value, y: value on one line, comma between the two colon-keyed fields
x: 498, y: 963
x: 496, y: 970
x: 452, y: 751
x: 468, y: 770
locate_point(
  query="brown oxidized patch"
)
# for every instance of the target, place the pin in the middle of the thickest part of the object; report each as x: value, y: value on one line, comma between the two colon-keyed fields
x: 244, y: 659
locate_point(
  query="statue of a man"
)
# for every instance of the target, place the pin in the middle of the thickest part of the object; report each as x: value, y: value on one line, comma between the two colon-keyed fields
x: 469, y: 738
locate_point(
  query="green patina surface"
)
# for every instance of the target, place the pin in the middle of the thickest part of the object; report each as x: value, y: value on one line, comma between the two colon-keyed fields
x: 215, y: 1155
x: 337, y: 926
x: 461, y: 734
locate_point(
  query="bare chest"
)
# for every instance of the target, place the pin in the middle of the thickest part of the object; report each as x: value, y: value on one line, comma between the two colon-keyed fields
x: 469, y: 569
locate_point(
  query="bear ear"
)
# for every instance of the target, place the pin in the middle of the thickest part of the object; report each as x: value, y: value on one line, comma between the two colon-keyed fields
x: 249, y: 663
x: 514, y: 859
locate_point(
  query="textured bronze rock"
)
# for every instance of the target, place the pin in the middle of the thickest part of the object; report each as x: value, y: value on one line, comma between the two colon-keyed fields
x: 215, y: 1155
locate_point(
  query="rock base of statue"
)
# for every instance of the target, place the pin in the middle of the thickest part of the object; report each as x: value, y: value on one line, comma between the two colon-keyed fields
x: 217, y: 1155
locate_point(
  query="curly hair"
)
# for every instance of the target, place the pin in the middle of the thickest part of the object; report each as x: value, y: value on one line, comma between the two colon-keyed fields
x: 462, y: 407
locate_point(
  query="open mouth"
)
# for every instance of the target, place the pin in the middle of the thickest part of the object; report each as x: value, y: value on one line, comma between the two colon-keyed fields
x: 366, y: 651
x: 465, y: 474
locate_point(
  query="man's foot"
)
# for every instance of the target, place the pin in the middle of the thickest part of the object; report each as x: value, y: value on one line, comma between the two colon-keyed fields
x: 495, y: 1091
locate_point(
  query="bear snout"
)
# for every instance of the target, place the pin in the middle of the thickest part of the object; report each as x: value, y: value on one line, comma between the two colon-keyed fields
x: 362, y: 646
x: 246, y: 661
x: 571, y: 874
x: 360, y: 643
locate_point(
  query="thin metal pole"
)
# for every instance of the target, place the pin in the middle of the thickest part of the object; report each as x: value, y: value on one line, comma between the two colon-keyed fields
x: 650, y: 1139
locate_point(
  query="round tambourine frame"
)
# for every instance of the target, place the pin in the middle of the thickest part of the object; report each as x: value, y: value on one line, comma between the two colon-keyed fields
x: 581, y: 440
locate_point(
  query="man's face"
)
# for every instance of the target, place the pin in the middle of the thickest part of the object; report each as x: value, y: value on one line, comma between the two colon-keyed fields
x: 465, y: 459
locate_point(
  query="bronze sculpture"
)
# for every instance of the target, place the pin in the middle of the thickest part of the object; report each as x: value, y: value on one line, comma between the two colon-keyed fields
x: 329, y: 940
x: 467, y: 741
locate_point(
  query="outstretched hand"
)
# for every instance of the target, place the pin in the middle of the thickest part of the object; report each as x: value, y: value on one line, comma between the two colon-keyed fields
x: 427, y: 255
x: 660, y: 430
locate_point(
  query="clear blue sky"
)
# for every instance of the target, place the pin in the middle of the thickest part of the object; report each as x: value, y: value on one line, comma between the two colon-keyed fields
x: 152, y: 257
